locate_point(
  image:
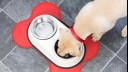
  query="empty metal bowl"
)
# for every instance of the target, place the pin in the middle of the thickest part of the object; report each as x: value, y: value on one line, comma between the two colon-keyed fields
x: 43, y: 27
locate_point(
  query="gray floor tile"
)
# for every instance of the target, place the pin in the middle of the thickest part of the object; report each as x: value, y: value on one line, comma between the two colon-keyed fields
x: 55, y: 1
x: 3, y: 68
x: 0, y: 9
x: 3, y: 3
x: 21, y: 9
x: 116, y: 66
x: 99, y: 62
x: 66, y: 20
x: 71, y: 7
x: 113, y: 38
x: 123, y: 53
x: 6, y: 44
x: 28, y: 60
x: 25, y: 60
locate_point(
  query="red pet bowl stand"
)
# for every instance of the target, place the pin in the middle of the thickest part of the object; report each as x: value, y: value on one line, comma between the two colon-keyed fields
x: 20, y: 38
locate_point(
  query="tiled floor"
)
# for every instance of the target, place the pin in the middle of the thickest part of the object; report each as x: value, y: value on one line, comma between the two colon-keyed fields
x: 113, y: 50
x: 0, y: 10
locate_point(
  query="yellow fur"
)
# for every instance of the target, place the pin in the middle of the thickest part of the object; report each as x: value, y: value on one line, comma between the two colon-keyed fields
x: 95, y: 18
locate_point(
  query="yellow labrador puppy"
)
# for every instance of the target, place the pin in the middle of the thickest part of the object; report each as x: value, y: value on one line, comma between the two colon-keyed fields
x: 97, y: 17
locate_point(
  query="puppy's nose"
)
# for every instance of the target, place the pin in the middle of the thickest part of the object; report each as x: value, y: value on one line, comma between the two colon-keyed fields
x: 67, y: 55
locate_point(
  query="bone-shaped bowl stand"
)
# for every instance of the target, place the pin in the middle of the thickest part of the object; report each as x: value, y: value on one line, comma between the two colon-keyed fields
x: 20, y: 36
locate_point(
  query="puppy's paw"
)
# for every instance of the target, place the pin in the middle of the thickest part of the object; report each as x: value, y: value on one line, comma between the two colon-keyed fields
x: 124, y: 33
x: 96, y: 37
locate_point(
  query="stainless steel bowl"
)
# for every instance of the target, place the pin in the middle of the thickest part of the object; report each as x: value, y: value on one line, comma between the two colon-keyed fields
x: 43, y: 27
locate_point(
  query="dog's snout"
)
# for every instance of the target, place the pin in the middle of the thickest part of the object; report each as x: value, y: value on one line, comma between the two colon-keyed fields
x: 60, y: 54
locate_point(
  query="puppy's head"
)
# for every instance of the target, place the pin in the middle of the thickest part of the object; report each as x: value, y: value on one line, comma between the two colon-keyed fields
x: 68, y: 44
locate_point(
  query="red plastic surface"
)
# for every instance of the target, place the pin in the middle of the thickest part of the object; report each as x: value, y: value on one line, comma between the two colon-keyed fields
x: 54, y: 68
x: 19, y: 34
x: 92, y: 49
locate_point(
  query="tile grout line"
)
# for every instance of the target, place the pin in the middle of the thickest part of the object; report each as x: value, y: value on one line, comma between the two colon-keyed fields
x: 8, y: 4
x: 5, y: 66
x: 67, y: 16
x: 107, y: 48
x: 15, y: 46
x: 7, y: 13
x: 57, y: 4
x: 115, y: 54
x: 47, y: 70
x: 117, y: 51
x: 9, y: 16
x: 122, y: 60
x: 60, y: 3
x: 15, y: 21
x: 110, y: 59
x: 120, y: 50
x: 9, y: 53
x: 121, y: 47
x: 107, y: 63
x: 63, y: 12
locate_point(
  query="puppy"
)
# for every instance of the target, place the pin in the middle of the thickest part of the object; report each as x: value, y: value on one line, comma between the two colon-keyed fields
x: 96, y: 18
x: 124, y: 31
